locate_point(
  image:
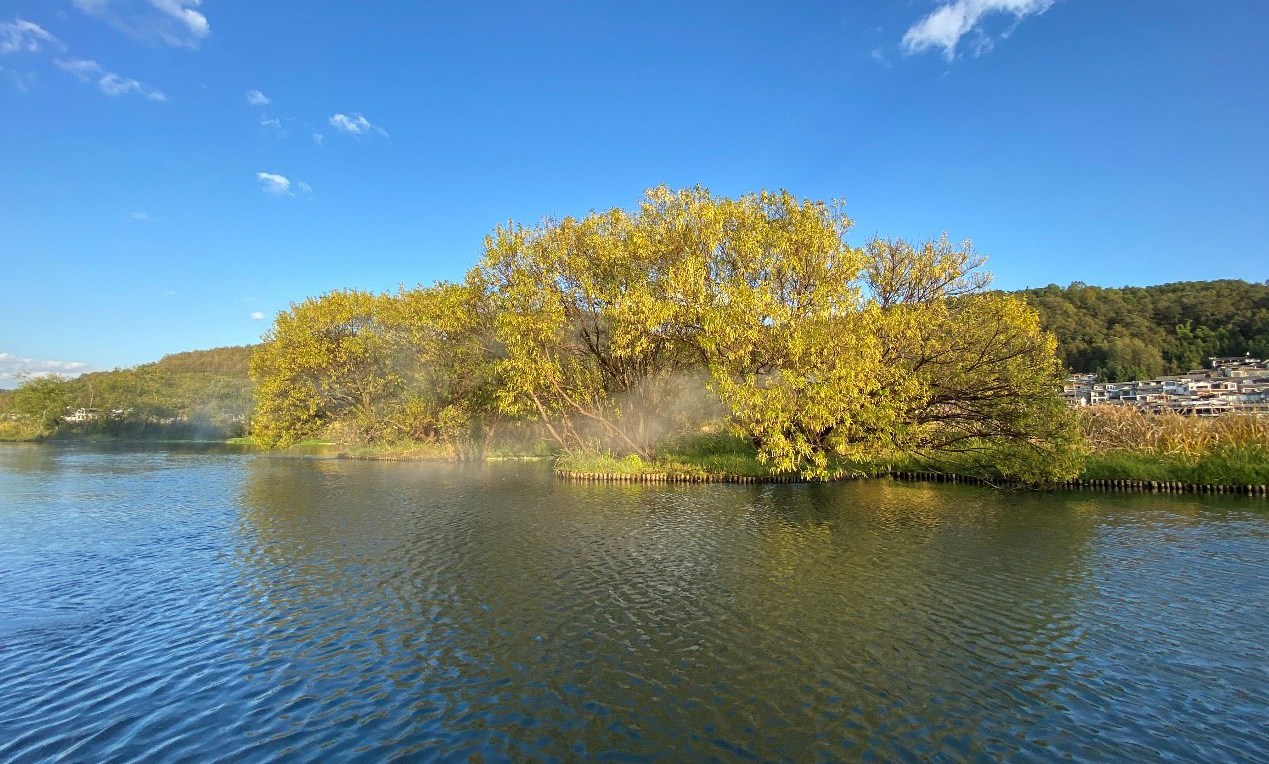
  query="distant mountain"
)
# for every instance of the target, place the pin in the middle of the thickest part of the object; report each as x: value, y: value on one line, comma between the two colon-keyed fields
x: 1141, y: 332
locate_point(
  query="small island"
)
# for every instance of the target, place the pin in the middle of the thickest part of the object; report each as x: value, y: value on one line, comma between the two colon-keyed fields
x: 699, y: 338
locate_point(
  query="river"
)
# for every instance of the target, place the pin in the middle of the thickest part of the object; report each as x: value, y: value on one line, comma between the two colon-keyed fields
x: 165, y: 605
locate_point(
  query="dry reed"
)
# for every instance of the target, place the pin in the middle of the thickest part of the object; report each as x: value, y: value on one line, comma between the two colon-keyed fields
x: 1173, y: 436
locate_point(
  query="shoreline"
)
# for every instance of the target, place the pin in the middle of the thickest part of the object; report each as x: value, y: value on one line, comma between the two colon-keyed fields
x: 1095, y: 484
x: 1111, y: 485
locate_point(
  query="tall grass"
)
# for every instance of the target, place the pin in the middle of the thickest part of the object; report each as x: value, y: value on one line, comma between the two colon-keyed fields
x: 1125, y: 442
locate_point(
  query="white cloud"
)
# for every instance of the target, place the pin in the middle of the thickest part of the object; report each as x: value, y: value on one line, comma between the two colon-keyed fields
x: 271, y: 122
x: 183, y: 12
x: 355, y: 125
x: 140, y: 216
x: 279, y: 185
x: 21, y: 36
x: 110, y: 83
x: 175, y: 22
x: 80, y: 67
x: 879, y: 56
x: 256, y: 98
x: 946, y: 25
x: 318, y: 138
x: 257, y: 315
x: 13, y: 369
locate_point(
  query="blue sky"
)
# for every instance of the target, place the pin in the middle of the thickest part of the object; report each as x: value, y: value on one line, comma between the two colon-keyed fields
x: 175, y: 172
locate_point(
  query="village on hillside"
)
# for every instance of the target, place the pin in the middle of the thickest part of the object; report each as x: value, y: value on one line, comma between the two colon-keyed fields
x: 1232, y: 384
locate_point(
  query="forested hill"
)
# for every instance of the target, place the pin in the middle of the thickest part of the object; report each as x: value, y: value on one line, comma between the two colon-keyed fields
x: 201, y: 393
x: 1123, y: 333
x: 221, y: 362
x: 1141, y: 332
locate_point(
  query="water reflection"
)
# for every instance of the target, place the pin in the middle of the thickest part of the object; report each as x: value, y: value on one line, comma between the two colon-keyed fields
x: 172, y: 605
x: 527, y: 618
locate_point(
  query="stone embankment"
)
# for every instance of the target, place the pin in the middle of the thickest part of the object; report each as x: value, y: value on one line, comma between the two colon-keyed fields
x: 1147, y: 486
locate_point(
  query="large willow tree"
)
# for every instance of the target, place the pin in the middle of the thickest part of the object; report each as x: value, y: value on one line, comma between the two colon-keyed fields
x: 816, y: 350
x: 622, y: 328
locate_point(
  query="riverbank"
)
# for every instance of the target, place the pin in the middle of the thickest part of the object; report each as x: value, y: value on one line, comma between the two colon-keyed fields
x: 1098, y: 484
x: 721, y: 459
x: 22, y: 431
x: 727, y: 460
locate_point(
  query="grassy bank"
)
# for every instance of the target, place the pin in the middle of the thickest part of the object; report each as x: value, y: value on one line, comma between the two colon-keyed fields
x: 1218, y: 469
x: 694, y: 458
x: 1122, y: 444
x: 22, y: 432
x: 1125, y: 443
x: 412, y: 450
x: 1201, y: 452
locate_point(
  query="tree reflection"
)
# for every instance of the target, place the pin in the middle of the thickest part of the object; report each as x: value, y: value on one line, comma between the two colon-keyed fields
x: 497, y: 611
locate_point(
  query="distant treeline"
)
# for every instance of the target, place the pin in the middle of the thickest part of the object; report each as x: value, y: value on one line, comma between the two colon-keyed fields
x: 1142, y: 332
x: 197, y: 394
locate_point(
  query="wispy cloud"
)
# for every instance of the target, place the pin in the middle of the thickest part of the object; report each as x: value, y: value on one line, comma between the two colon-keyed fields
x: 256, y: 98
x: 140, y: 217
x: 110, y: 83
x: 318, y: 138
x: 947, y: 25
x: 184, y: 13
x: 175, y: 22
x: 13, y: 369
x: 272, y: 183
x: 257, y: 315
x: 355, y: 125
x: 280, y: 185
x: 21, y: 36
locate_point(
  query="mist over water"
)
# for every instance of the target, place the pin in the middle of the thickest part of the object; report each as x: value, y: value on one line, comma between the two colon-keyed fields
x: 195, y: 605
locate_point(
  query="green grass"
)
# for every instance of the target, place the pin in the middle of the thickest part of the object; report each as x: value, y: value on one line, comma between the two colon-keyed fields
x: 1228, y: 467
x: 407, y: 449
x: 715, y: 455
x: 695, y: 457
x: 692, y: 457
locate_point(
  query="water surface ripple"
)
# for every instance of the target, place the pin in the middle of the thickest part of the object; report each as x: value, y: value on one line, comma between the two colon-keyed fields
x: 194, y: 606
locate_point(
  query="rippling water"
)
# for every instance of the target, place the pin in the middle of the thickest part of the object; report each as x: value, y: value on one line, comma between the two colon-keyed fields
x: 164, y: 606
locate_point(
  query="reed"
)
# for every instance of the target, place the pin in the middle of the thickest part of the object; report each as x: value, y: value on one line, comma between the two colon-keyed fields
x: 1124, y: 442
x: 1183, y: 438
